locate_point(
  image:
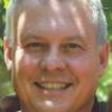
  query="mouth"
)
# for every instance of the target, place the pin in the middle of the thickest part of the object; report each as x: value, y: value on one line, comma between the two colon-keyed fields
x: 53, y: 85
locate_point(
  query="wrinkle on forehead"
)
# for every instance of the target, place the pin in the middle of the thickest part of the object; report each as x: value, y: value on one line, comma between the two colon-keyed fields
x: 56, y: 15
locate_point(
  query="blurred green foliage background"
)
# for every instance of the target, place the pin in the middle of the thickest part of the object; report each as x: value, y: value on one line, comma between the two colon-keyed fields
x: 105, y: 84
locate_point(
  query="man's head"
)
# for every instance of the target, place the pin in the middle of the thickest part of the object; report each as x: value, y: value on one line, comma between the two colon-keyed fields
x: 57, y: 51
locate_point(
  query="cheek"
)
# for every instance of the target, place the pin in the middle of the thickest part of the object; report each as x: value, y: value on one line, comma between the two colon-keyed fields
x: 25, y: 64
x: 83, y: 68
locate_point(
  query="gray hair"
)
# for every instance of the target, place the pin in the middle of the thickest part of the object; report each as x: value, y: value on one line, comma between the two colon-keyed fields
x: 98, y: 19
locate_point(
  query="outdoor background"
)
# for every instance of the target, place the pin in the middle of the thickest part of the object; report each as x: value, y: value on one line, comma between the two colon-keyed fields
x: 105, y: 84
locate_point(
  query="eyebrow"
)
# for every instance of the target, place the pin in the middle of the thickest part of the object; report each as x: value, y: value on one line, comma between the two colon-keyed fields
x: 75, y: 37
x: 29, y: 36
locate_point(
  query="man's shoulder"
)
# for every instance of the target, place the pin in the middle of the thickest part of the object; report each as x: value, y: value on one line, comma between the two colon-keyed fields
x: 100, y: 107
x: 9, y: 104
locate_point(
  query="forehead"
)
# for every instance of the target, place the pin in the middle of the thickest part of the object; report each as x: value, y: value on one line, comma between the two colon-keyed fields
x: 55, y: 15
x: 55, y: 8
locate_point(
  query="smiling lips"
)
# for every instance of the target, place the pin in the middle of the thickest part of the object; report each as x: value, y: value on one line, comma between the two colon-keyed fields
x: 53, y: 85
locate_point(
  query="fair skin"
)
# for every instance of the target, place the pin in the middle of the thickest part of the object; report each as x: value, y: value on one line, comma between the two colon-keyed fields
x: 55, y: 61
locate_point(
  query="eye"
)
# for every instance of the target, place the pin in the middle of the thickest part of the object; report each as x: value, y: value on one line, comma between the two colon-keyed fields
x: 71, y: 46
x: 36, y: 46
x: 72, y: 49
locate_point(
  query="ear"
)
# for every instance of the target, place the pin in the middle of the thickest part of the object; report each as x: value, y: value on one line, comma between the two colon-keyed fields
x: 7, y: 54
x: 103, y: 56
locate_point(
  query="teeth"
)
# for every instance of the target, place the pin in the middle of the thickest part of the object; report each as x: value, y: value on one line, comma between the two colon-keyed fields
x: 53, y: 85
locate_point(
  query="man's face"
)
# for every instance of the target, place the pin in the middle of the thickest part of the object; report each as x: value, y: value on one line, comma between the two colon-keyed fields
x: 56, y: 63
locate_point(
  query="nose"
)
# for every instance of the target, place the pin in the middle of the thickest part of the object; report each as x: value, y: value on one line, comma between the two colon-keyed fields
x: 53, y: 61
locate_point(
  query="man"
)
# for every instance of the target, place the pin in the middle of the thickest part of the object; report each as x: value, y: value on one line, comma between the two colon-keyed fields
x: 57, y: 51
